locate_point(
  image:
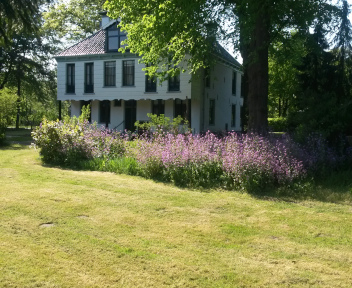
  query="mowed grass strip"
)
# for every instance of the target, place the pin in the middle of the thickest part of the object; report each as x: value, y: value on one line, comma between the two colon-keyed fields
x: 64, y: 228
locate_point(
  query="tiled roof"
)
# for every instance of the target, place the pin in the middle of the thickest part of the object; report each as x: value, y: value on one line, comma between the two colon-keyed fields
x: 222, y: 53
x: 94, y: 44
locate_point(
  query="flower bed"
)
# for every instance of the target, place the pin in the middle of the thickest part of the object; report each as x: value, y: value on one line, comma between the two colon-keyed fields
x: 233, y: 161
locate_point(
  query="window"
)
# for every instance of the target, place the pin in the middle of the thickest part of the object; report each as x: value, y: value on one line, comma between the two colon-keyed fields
x: 158, y: 107
x: 233, y: 115
x: 70, y: 78
x: 104, y: 112
x: 89, y: 78
x: 174, y: 83
x: 211, y: 111
x: 150, y: 84
x: 128, y: 73
x: 234, y: 82
x: 110, y: 73
x: 207, y: 77
x: 182, y: 110
x: 114, y: 38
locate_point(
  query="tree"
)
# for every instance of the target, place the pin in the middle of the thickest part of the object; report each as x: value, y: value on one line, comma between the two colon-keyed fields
x: 7, y: 110
x: 74, y: 20
x: 343, y: 40
x: 18, y: 15
x: 323, y: 101
x: 25, y: 55
x: 317, y: 108
x: 284, y: 59
x: 164, y: 31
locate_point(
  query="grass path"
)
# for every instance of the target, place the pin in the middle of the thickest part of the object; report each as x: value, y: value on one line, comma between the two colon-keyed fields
x: 64, y: 228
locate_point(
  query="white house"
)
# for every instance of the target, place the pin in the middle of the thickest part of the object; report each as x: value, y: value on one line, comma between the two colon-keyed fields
x: 94, y: 72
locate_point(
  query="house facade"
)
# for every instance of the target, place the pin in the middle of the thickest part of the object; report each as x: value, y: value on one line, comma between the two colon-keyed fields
x: 114, y: 84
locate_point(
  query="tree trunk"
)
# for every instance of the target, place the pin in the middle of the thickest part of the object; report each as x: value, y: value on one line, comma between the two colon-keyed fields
x: 18, y: 97
x: 258, y: 75
x: 244, y: 49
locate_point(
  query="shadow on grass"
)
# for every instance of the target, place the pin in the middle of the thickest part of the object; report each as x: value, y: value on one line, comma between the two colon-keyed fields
x: 17, y: 139
x: 21, y: 132
x: 333, y: 188
x: 13, y: 146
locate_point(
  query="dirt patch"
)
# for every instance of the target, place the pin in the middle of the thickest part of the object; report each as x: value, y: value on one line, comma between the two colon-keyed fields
x: 47, y: 225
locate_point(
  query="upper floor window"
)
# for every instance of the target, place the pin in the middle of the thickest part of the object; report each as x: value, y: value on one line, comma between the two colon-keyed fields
x: 150, y: 84
x: 89, y: 78
x: 234, y: 82
x: 174, y: 83
x: 114, y: 38
x: 158, y: 107
x: 128, y: 73
x: 110, y: 73
x: 70, y: 78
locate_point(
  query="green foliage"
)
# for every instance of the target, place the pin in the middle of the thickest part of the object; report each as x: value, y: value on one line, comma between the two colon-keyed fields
x: 55, y: 139
x: 25, y: 60
x: 15, y: 14
x: 284, y: 59
x: 73, y: 20
x: 197, y: 175
x: 120, y: 165
x: 165, y: 43
x: 278, y: 124
x: 8, y: 101
x: 320, y: 105
x: 85, y: 113
x: 161, y: 124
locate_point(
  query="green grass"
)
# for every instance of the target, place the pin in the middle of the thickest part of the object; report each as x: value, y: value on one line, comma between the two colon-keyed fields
x: 65, y: 228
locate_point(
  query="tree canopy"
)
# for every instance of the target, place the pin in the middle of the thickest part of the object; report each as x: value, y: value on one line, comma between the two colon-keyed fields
x: 73, y: 20
x: 25, y: 56
x: 167, y: 30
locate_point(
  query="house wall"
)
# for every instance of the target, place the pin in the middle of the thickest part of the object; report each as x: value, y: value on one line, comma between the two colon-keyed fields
x: 118, y: 113
x: 136, y: 92
x: 190, y: 88
x: 221, y: 91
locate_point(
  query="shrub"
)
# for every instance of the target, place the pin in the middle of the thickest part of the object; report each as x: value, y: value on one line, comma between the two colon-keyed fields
x: 7, y: 110
x: 252, y: 162
x: 161, y: 124
x: 249, y: 162
x: 73, y: 140
x: 278, y: 124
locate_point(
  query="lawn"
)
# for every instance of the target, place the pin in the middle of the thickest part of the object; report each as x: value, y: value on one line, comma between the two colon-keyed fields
x: 65, y: 228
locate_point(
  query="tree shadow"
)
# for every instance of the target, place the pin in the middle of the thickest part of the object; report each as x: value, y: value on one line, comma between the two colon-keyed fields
x: 333, y: 188
x: 14, y: 146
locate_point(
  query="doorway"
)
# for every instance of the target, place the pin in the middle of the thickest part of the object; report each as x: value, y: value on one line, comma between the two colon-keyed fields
x: 130, y: 114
